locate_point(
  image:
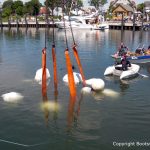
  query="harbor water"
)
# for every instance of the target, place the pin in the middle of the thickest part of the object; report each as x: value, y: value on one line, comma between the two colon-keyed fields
x: 96, y: 121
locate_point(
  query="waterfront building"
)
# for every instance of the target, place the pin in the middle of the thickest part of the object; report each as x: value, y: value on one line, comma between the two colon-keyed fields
x: 147, y: 10
x: 121, y: 8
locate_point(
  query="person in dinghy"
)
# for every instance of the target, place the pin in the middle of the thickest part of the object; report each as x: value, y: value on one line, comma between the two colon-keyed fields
x: 124, y: 62
x: 122, y: 50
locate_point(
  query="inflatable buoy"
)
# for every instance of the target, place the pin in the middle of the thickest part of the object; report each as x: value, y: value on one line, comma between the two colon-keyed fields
x: 110, y: 93
x: 38, y: 75
x: 77, y: 78
x: 96, y: 83
x: 86, y: 90
x: 12, y: 97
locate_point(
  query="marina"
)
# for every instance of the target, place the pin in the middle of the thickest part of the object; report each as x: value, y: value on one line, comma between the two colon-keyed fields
x: 95, y: 120
x: 74, y: 75
x: 112, y: 25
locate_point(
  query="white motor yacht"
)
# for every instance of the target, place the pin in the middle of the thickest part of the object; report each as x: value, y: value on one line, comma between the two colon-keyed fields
x: 78, y: 22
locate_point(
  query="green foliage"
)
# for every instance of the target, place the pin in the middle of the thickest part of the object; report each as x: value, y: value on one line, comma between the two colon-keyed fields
x: 140, y: 7
x: 25, y: 10
x: 97, y: 3
x: 66, y: 4
x: 7, y: 4
x: 36, y: 6
x: 32, y: 7
x: 17, y: 7
x: 7, y: 12
x: 53, y: 3
x: 19, y: 11
x: 11, y: 7
x: 28, y: 8
x: 79, y: 3
x: 7, y: 8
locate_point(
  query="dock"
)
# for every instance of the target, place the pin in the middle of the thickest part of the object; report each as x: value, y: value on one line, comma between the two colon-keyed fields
x: 125, y: 25
x: 113, y: 25
x: 27, y: 25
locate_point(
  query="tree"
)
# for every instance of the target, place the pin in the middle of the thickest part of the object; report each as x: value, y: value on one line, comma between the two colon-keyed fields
x: 53, y: 3
x: 28, y: 8
x: 36, y: 6
x: 97, y: 3
x: 7, y: 12
x: 7, y: 8
x: 19, y: 11
x: 140, y: 7
x: 7, y: 4
x: 66, y: 4
x: 17, y: 7
x: 79, y: 3
x: 32, y: 7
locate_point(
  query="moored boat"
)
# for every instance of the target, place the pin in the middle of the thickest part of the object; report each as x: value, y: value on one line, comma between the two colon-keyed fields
x: 101, y: 26
x: 134, y: 58
x: 140, y: 55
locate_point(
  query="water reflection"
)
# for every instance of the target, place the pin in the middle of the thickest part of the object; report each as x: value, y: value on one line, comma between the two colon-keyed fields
x: 122, y: 36
x: 71, y: 114
x: 45, y: 108
x: 124, y: 85
x: 0, y: 56
x: 50, y: 107
x: 74, y: 108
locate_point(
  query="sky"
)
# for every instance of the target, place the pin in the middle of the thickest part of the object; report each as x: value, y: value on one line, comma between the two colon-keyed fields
x: 42, y: 1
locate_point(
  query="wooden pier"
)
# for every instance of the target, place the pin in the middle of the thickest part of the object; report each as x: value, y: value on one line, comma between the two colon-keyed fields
x: 27, y: 25
x: 114, y: 25
x: 125, y: 26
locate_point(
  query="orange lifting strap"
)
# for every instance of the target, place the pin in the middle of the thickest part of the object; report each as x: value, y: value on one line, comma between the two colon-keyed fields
x: 72, y: 86
x: 75, y: 52
x: 71, y: 109
x: 54, y: 68
x: 44, y: 86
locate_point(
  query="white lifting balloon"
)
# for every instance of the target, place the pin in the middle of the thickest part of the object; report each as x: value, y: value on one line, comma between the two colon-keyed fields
x: 77, y: 78
x: 38, y: 75
x: 12, y: 97
x: 97, y: 84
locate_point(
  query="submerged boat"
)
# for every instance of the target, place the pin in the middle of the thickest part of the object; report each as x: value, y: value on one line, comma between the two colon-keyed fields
x: 117, y: 71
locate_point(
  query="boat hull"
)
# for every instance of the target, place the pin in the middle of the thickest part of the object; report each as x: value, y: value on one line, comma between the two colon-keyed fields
x: 134, y: 59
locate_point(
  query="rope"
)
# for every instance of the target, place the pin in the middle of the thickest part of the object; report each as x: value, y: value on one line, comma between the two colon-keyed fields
x: 20, y: 144
x: 54, y: 56
x: 52, y: 17
x: 46, y: 19
x: 71, y: 24
x: 66, y: 40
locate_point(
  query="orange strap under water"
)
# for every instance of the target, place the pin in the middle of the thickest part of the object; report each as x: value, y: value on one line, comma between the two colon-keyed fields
x: 44, y: 86
x: 75, y: 52
x: 54, y: 68
x: 71, y: 109
x: 72, y: 86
